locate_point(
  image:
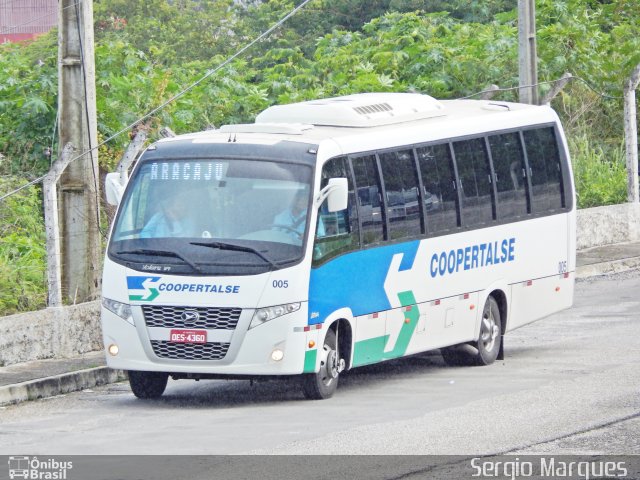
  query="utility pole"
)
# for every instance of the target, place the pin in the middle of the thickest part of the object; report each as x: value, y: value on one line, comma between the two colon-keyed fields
x: 631, y: 134
x: 78, y: 194
x: 527, y: 54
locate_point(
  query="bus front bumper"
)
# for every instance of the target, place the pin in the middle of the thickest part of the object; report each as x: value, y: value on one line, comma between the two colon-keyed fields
x: 282, y: 346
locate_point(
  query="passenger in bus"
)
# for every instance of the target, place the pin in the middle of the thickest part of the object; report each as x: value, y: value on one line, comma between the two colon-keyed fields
x: 293, y: 220
x: 172, y: 220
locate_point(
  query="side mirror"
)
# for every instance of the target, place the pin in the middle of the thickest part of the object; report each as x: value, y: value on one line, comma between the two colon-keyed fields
x: 113, y: 189
x: 336, y: 193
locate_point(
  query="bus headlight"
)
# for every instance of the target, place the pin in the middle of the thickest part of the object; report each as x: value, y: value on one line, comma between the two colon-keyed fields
x: 123, y: 310
x: 262, y: 315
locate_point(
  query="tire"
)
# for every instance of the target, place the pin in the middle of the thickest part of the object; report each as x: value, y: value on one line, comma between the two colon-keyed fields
x: 147, y: 385
x: 485, y: 350
x: 323, y: 384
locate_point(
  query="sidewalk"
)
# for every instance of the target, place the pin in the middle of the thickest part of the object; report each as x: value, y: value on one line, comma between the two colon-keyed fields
x: 45, y: 378
x: 607, y: 259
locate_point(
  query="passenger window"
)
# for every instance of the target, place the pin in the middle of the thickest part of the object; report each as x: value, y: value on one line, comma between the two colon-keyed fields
x: 369, y: 201
x: 545, y: 171
x: 401, y: 190
x: 439, y: 194
x: 474, y: 173
x: 336, y: 232
x: 511, y: 181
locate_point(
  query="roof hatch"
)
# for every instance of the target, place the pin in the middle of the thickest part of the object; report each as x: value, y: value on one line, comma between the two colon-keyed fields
x: 359, y: 110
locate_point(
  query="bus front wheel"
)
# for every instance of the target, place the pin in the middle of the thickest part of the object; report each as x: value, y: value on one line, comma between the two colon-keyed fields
x: 323, y: 384
x: 148, y: 384
x: 485, y: 350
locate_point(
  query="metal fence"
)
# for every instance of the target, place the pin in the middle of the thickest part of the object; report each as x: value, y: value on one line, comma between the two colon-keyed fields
x: 23, y: 19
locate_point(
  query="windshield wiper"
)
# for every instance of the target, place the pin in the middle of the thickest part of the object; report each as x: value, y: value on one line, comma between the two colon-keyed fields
x: 160, y: 253
x: 235, y: 248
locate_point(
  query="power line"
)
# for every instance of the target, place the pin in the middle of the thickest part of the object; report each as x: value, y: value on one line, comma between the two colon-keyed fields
x: 179, y: 94
x: 226, y: 62
x: 603, y: 95
x: 509, y: 89
x: 86, y: 112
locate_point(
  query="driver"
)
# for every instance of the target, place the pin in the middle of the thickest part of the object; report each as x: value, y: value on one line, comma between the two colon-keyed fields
x: 293, y: 219
x: 172, y: 220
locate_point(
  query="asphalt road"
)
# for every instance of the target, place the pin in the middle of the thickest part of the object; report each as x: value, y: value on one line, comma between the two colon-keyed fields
x: 570, y: 384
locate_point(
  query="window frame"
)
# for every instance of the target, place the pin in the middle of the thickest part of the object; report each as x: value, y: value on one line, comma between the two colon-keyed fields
x: 565, y: 185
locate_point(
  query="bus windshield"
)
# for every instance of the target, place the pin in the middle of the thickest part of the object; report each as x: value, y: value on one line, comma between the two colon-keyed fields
x: 213, y: 216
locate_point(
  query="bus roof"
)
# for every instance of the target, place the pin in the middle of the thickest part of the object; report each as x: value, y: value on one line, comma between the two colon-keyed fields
x: 370, y: 121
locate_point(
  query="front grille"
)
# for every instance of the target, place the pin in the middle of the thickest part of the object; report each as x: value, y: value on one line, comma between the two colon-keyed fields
x: 179, y: 317
x: 190, y: 351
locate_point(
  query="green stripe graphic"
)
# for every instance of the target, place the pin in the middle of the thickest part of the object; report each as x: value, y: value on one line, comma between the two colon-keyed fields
x: 372, y: 350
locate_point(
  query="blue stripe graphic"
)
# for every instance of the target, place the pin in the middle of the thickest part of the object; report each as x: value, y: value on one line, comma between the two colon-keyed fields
x: 356, y: 280
x: 135, y: 283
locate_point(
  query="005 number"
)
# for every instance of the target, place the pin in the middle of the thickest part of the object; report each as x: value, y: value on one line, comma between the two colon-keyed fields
x: 280, y: 284
x: 562, y: 266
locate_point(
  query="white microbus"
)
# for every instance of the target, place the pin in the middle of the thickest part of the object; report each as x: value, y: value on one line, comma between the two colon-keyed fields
x: 337, y: 233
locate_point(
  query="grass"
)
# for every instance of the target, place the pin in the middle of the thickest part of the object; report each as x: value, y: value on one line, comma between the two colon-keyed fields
x: 599, y: 171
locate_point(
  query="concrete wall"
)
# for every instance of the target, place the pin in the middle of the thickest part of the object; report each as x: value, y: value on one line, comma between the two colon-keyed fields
x: 605, y: 225
x: 68, y: 331
x: 52, y: 333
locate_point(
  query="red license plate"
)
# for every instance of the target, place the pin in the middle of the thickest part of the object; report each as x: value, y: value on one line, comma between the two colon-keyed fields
x: 188, y: 336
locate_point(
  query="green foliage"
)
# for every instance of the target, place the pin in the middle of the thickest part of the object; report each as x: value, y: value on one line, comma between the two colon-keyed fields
x: 28, y: 99
x: 22, y: 250
x: 169, y: 32
x: 147, y: 52
x: 600, y: 173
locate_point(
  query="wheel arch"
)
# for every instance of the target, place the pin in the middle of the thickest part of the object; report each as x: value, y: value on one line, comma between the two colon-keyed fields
x: 344, y: 331
x: 500, y: 297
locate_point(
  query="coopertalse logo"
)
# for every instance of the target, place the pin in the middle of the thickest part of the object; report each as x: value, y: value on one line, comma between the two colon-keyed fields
x: 143, y: 289
x: 147, y: 289
x: 38, y: 469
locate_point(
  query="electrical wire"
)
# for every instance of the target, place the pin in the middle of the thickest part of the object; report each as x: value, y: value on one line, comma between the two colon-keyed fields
x: 604, y: 95
x: 87, y: 119
x: 509, y: 89
x: 163, y: 105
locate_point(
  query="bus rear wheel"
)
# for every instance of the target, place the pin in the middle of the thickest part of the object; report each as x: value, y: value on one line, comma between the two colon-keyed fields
x: 148, y: 385
x: 323, y: 384
x: 485, y: 350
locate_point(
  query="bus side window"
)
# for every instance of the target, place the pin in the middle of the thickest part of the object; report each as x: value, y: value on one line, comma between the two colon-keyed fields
x: 365, y: 170
x: 401, y: 189
x: 336, y: 232
x: 438, y: 182
x: 474, y: 173
x: 511, y: 181
x: 544, y: 167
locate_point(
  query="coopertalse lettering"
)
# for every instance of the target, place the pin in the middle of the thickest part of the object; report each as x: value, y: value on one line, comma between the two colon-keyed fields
x: 472, y: 256
x: 198, y: 288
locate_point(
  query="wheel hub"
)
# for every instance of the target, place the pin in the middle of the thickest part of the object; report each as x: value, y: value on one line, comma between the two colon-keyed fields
x: 490, y: 332
x: 332, y: 364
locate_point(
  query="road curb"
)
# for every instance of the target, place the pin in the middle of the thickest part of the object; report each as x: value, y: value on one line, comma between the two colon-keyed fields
x: 59, y: 384
x: 608, y: 267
